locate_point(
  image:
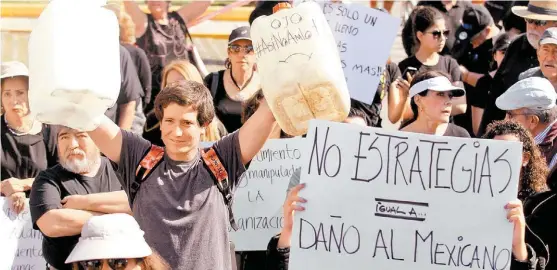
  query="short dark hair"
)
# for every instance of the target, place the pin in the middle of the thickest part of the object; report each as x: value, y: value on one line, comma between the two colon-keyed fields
x: 425, y: 18
x: 356, y: 112
x: 264, y: 8
x: 186, y: 93
x: 250, y: 106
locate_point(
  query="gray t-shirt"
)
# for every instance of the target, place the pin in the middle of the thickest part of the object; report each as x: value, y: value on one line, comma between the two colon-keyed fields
x: 180, y: 208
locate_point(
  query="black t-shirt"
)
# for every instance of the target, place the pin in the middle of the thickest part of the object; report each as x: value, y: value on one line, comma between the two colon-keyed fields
x: 228, y: 111
x: 25, y: 156
x: 130, y: 86
x: 141, y: 64
x: 50, y: 187
x: 481, y: 91
x: 456, y: 131
x: 520, y: 57
x: 446, y: 64
x: 373, y: 111
x: 477, y: 60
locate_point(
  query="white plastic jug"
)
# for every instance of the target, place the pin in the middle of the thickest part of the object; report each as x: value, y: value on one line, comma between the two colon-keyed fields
x: 74, y: 63
x: 300, y: 69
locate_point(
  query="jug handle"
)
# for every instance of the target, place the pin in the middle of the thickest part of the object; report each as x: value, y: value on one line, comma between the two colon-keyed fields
x: 281, y: 5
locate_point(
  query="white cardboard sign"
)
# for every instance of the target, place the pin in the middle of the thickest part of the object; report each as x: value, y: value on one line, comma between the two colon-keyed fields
x: 364, y: 38
x: 21, y: 245
x: 259, y: 198
x: 395, y: 200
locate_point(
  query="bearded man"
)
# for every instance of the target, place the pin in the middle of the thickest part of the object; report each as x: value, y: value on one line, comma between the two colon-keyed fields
x: 66, y: 195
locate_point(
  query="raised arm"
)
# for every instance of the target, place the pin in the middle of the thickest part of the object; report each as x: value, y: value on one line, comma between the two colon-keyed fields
x: 108, y: 137
x: 139, y: 18
x: 63, y: 222
x: 192, y: 10
x: 255, y: 131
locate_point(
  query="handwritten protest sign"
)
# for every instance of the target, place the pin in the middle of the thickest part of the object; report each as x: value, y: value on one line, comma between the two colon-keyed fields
x: 394, y: 200
x: 364, y: 38
x: 21, y: 245
x: 259, y: 198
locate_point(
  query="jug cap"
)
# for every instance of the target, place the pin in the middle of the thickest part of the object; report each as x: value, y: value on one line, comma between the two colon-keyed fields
x: 281, y: 5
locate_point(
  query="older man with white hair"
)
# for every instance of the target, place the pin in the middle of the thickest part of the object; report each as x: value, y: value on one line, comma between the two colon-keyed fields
x: 531, y: 102
x: 66, y: 195
x: 547, y: 57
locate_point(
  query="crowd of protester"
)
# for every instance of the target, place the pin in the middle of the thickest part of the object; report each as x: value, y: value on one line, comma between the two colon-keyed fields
x: 485, y: 70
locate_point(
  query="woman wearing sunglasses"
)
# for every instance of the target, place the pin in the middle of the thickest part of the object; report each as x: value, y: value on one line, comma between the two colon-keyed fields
x: 237, y: 83
x: 113, y: 242
x: 430, y: 33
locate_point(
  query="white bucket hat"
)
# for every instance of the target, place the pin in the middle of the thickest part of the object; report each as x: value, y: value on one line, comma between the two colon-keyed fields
x: 110, y: 236
x: 13, y: 69
x: 440, y: 83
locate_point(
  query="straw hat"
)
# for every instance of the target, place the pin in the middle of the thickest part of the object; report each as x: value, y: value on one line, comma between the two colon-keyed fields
x: 538, y: 10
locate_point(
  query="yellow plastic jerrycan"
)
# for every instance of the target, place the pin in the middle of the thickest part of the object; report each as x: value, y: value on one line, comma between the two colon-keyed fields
x: 299, y: 65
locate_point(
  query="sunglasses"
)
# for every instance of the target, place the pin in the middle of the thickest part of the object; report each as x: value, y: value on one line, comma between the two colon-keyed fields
x: 536, y: 22
x: 238, y: 48
x: 437, y: 34
x: 115, y: 264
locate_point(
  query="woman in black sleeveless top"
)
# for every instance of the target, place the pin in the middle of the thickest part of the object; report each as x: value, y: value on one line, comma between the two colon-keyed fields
x: 162, y: 34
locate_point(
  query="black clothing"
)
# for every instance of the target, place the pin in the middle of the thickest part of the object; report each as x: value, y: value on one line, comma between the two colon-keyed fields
x: 162, y: 44
x: 227, y: 110
x: 24, y: 156
x: 50, y: 187
x: 520, y: 57
x: 456, y: 131
x: 141, y: 63
x: 130, y: 86
x: 478, y: 60
x: 445, y: 64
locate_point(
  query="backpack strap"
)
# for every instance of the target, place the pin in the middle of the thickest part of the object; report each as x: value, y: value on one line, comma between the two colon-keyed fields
x: 220, y: 176
x: 144, y: 169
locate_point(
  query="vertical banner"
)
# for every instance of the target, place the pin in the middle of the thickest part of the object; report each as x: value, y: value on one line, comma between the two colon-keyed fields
x: 396, y: 200
x: 20, y: 244
x: 259, y: 198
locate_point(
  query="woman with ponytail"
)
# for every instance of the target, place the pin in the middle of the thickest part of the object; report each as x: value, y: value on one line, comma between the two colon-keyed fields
x: 237, y: 83
x: 431, y: 98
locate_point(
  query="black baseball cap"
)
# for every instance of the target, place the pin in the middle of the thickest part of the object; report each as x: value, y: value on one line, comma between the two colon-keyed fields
x: 474, y: 20
x: 240, y: 33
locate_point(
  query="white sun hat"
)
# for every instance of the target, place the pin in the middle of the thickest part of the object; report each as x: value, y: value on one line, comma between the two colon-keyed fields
x: 110, y: 236
x: 440, y: 83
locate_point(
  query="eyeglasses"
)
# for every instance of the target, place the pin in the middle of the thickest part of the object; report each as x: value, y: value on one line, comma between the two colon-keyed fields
x: 236, y: 48
x: 437, y: 34
x: 115, y: 264
x: 536, y: 22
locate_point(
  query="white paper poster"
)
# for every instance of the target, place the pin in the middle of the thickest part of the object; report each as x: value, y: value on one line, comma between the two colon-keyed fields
x: 395, y: 200
x: 20, y: 244
x: 259, y: 198
x: 364, y: 38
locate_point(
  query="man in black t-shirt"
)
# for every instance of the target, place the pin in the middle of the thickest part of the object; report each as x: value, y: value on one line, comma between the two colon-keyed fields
x: 65, y: 196
x: 473, y: 51
x: 520, y: 56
